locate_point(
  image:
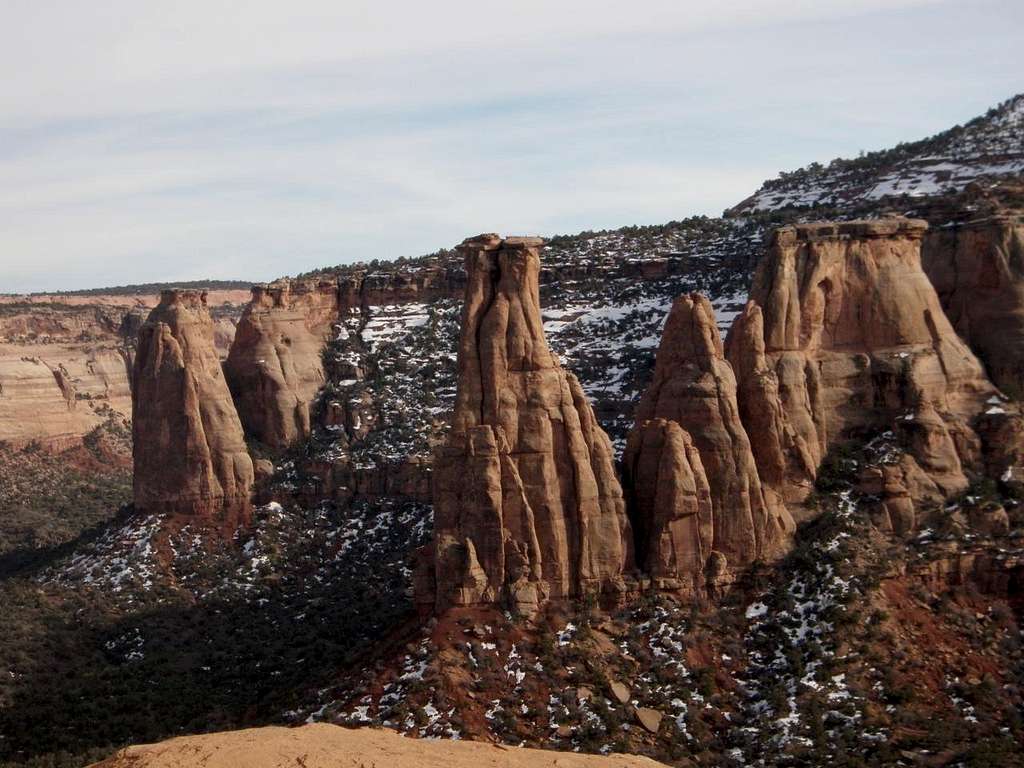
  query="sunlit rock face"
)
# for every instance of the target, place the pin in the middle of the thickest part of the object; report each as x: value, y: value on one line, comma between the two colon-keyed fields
x: 528, y: 507
x: 845, y: 335
x: 190, y: 458
x: 275, y: 366
x: 693, y: 483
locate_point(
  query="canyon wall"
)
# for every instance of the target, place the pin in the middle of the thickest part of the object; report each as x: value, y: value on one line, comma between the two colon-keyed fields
x: 66, y: 362
x: 527, y: 505
x: 190, y: 457
x: 977, y: 268
x: 63, y: 371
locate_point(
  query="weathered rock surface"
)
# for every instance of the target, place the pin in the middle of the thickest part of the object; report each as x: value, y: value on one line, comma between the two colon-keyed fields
x: 330, y: 746
x: 527, y: 503
x: 190, y: 457
x: 620, y: 691
x: 275, y: 365
x: 670, y: 505
x: 649, y: 718
x: 977, y: 268
x: 57, y: 394
x: 844, y: 323
x: 697, y: 493
x: 902, y: 489
x: 775, y: 408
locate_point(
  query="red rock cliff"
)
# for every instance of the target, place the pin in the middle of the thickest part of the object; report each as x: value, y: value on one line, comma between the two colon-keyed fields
x: 844, y: 333
x: 190, y: 457
x: 977, y: 268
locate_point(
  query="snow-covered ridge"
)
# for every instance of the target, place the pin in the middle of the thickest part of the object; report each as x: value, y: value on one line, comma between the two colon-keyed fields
x: 988, y: 147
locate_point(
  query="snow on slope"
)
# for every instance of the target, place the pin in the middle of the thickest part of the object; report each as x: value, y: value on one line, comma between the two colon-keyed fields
x: 991, y: 146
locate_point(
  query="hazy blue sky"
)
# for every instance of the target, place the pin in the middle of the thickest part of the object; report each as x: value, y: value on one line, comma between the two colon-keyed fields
x: 144, y: 141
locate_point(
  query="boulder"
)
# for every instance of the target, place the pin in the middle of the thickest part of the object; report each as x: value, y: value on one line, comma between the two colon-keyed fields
x: 650, y: 719
x: 620, y: 691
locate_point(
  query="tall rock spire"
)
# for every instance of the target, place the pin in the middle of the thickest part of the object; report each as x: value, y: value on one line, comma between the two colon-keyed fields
x: 190, y: 457
x: 527, y: 504
x: 689, y: 411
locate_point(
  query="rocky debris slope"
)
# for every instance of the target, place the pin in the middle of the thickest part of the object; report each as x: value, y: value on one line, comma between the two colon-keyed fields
x: 190, y: 458
x: 985, y: 148
x: 809, y: 662
x: 274, y: 367
x: 845, y: 327
x: 707, y: 484
x: 330, y: 746
x: 527, y: 504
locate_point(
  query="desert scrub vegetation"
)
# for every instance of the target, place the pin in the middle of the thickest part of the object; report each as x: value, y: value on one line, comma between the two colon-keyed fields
x: 49, y: 499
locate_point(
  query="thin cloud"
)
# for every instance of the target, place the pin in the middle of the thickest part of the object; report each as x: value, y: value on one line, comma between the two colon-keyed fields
x: 233, y: 140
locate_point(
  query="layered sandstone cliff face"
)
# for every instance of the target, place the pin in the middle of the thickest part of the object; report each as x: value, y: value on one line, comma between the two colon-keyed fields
x: 977, y: 268
x: 275, y: 366
x: 694, y: 485
x: 844, y: 334
x: 63, y: 371
x: 526, y: 501
x: 190, y: 457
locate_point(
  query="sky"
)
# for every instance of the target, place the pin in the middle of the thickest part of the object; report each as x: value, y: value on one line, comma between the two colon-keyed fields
x: 164, y: 141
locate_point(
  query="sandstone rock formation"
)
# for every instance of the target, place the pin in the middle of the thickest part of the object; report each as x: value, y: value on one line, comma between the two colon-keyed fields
x: 275, y: 365
x: 845, y: 334
x: 56, y: 395
x: 526, y: 501
x: 776, y: 409
x: 977, y: 268
x: 63, y: 371
x: 190, y: 457
x: 670, y: 505
x: 694, y: 484
x: 321, y: 745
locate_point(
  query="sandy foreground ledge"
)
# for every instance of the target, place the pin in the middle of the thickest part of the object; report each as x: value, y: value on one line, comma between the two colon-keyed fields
x: 331, y: 746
